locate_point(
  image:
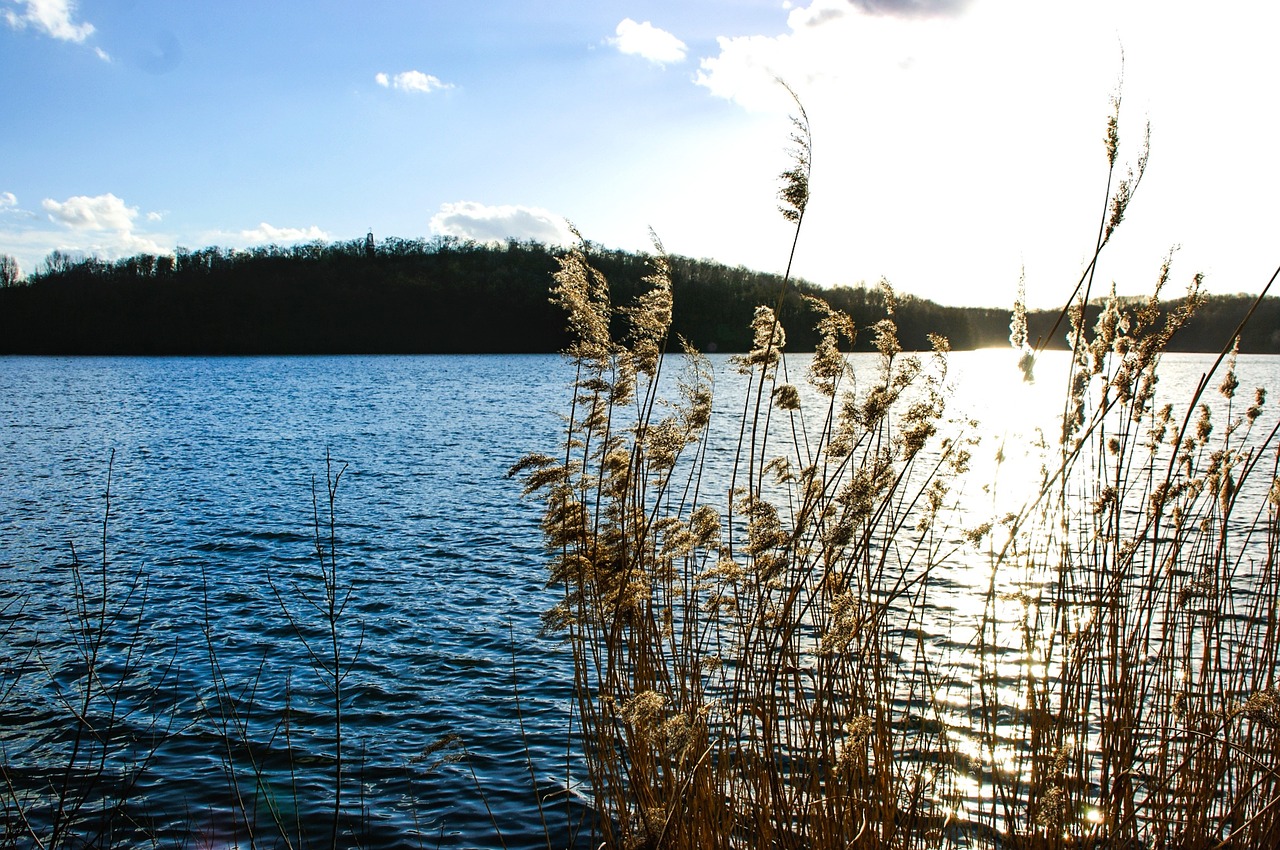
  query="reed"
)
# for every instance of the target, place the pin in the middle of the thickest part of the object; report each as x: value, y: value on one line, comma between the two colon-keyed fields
x: 751, y: 659
x: 101, y: 692
x: 1141, y: 599
x: 96, y: 703
x: 261, y: 749
x: 1144, y: 603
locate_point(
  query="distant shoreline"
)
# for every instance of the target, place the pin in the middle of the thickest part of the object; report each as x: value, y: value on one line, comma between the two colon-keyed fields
x: 442, y: 296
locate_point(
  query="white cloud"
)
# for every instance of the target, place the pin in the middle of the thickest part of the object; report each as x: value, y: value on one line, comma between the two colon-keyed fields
x: 52, y: 17
x: 100, y: 212
x: 649, y: 42
x: 100, y: 225
x: 412, y: 81
x: 481, y: 223
x: 269, y: 234
x: 748, y: 68
x: 131, y: 243
x: 866, y: 47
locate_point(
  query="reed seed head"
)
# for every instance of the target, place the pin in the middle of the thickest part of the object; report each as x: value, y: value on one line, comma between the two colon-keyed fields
x: 768, y: 337
x: 794, y: 193
x: 786, y: 397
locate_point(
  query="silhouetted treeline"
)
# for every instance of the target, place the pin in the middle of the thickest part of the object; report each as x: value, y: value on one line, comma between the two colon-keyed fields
x: 446, y: 296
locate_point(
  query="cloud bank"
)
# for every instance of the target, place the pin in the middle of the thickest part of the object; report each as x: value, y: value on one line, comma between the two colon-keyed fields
x: 52, y: 17
x: 101, y: 225
x: 107, y: 227
x: 649, y: 42
x: 411, y: 81
x: 481, y: 223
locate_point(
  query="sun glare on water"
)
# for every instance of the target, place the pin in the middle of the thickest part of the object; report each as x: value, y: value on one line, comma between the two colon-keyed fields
x: 1014, y: 421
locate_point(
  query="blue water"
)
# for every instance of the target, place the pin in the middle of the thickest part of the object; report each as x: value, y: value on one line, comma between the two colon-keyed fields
x: 211, y: 503
x: 217, y: 467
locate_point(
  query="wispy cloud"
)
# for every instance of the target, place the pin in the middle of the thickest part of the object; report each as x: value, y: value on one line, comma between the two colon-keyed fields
x: 481, y: 223
x: 647, y: 41
x: 7, y: 200
x: 412, y: 81
x: 54, y: 18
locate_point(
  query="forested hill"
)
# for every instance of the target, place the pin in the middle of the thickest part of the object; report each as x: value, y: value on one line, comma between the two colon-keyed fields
x: 443, y: 296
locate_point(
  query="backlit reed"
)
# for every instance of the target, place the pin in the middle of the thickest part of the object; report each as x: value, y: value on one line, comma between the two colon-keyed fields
x: 751, y: 666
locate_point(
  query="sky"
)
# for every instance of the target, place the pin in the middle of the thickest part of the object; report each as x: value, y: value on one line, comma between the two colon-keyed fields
x: 957, y: 145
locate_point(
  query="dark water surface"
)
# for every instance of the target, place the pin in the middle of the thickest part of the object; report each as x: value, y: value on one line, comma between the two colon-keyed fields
x: 213, y: 465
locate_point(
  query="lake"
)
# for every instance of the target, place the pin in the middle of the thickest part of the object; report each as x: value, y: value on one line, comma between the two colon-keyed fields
x: 218, y: 475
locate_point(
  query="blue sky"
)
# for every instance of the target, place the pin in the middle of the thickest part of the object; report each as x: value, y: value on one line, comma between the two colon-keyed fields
x: 957, y: 143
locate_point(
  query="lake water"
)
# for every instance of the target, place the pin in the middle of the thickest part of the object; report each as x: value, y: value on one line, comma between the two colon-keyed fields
x: 213, y: 466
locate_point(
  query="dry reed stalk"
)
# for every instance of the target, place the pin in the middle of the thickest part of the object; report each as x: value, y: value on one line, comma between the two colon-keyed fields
x: 747, y: 670
x: 1141, y: 596
x: 752, y: 666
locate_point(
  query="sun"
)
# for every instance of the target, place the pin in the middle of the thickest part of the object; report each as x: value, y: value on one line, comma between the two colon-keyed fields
x: 1012, y: 420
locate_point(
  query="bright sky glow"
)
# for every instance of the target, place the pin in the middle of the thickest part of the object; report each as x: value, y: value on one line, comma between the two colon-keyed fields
x: 955, y: 141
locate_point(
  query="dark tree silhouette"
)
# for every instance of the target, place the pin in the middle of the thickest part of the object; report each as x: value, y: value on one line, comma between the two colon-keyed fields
x: 443, y: 295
